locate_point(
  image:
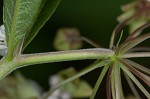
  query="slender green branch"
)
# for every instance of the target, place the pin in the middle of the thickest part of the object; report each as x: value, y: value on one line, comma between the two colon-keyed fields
x: 113, y: 84
x: 144, y: 49
x: 120, y: 83
x: 139, y: 85
x: 87, y: 40
x: 138, y: 66
x: 117, y: 89
x: 99, y: 81
x: 81, y: 73
x: 132, y: 86
x: 136, y: 54
x: 95, y: 53
x: 136, y: 31
x: 142, y: 76
x: 119, y: 27
x: 129, y: 44
x: 108, y: 87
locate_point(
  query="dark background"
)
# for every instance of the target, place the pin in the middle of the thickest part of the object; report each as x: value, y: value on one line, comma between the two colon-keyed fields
x: 94, y: 18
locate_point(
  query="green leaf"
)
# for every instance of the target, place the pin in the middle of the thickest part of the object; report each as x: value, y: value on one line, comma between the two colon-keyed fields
x: 47, y: 9
x: 19, y: 16
x: 82, y: 90
x: 25, y: 89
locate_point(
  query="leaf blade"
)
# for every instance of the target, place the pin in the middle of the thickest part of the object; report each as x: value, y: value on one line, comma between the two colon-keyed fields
x: 48, y: 7
x: 18, y: 19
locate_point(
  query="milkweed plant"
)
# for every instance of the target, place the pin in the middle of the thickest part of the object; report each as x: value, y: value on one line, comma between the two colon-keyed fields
x: 24, y: 18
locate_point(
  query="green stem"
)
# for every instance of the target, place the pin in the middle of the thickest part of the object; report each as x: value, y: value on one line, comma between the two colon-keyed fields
x: 136, y: 54
x: 138, y: 66
x: 120, y: 85
x: 81, y: 73
x: 117, y: 87
x: 99, y: 81
x: 113, y: 84
x: 119, y: 27
x: 6, y: 67
x: 139, y: 85
x: 132, y: 86
x: 142, y: 76
x: 95, y: 53
x: 87, y: 40
x: 29, y: 59
x: 108, y: 87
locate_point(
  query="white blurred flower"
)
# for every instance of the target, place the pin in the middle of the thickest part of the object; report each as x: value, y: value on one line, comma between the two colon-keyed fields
x: 2, y: 31
x: 3, y: 47
x: 65, y: 95
x: 54, y: 80
x: 59, y: 93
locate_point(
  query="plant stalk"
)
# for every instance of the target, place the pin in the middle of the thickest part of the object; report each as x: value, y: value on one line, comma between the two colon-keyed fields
x: 136, y: 54
x: 49, y: 57
x: 29, y: 59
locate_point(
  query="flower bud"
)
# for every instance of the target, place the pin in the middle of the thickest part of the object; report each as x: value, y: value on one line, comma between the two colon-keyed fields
x: 67, y: 39
x: 139, y: 10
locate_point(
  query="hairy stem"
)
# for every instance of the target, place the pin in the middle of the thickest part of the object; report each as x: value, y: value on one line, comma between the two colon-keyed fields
x: 30, y: 59
x: 95, y: 53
